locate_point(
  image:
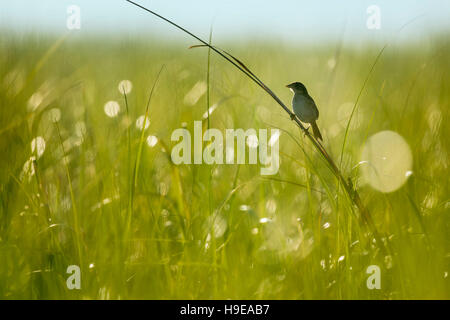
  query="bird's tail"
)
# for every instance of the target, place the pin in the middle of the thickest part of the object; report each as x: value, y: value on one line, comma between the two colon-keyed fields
x: 316, y: 131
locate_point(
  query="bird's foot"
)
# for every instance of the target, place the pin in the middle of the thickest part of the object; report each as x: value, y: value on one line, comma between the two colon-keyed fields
x: 292, y: 116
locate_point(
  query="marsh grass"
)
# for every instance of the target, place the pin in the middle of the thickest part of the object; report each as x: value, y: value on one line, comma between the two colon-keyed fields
x: 347, y: 185
x: 294, y: 235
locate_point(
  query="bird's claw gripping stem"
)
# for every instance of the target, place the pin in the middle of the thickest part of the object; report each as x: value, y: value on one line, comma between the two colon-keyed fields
x: 306, y: 131
x: 292, y: 116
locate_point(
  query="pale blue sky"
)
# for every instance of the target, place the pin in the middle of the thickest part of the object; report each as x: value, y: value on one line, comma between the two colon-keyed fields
x: 282, y: 19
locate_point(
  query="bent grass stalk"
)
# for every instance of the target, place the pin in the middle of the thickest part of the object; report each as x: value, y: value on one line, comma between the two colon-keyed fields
x: 356, y: 104
x: 213, y: 240
x: 130, y: 187
x: 141, y: 140
x: 72, y: 197
x: 134, y: 180
x: 352, y: 193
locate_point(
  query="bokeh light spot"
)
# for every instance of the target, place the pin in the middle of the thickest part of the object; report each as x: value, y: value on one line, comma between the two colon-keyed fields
x: 38, y: 146
x: 54, y: 115
x: 140, y: 123
x: 112, y: 108
x: 125, y: 86
x: 152, y: 141
x: 386, y: 159
x: 35, y: 101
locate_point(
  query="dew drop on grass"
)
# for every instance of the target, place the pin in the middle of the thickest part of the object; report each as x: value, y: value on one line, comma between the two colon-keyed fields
x: 112, y: 108
x: 386, y: 161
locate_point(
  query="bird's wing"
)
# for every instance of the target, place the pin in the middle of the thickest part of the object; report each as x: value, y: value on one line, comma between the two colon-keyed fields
x: 314, y: 106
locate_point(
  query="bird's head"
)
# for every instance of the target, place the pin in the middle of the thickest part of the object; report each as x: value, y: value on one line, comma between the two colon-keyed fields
x: 297, y: 87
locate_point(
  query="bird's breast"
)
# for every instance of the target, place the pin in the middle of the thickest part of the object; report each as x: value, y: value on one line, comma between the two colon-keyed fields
x: 305, y: 108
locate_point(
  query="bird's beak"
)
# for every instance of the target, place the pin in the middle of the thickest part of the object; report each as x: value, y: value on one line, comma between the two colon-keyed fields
x: 288, y: 86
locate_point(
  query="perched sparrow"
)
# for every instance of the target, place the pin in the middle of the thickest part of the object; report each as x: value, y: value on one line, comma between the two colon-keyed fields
x: 304, y: 107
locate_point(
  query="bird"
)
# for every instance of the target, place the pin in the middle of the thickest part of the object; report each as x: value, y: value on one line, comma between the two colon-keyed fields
x: 304, y: 107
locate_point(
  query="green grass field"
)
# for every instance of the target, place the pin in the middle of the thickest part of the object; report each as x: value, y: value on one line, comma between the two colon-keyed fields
x: 217, y: 231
